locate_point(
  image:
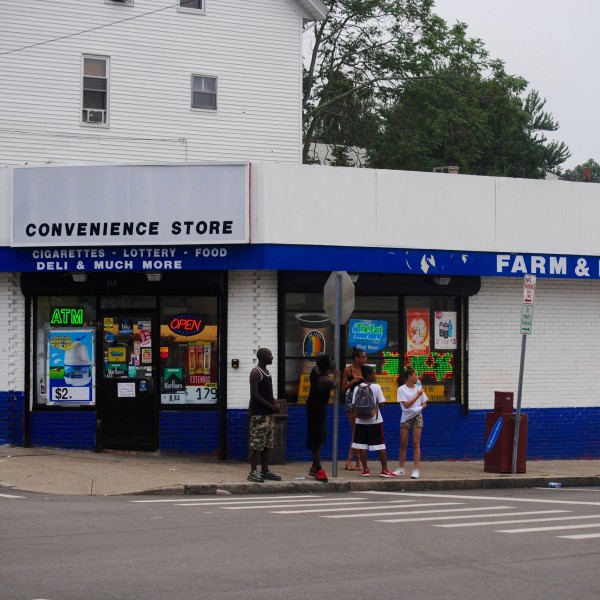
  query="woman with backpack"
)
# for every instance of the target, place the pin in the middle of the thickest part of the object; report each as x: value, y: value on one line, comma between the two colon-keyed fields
x: 351, y: 377
x: 368, y: 430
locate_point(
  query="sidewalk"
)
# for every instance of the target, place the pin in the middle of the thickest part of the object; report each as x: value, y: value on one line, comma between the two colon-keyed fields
x: 67, y: 472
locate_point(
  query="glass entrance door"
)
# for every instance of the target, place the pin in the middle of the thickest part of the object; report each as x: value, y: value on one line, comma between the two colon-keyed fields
x: 127, y: 399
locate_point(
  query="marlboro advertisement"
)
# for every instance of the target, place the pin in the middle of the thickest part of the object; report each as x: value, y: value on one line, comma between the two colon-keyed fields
x: 417, y: 331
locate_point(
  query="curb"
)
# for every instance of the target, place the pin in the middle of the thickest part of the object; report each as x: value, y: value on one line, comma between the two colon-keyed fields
x: 336, y: 487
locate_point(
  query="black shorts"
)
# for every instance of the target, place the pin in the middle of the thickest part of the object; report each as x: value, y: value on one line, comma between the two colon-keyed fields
x: 369, y: 437
x: 316, y: 426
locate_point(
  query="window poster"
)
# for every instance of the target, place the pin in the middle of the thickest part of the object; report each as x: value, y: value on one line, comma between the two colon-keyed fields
x: 444, y: 332
x: 145, y: 333
x: 367, y: 335
x: 417, y: 331
x: 71, y: 370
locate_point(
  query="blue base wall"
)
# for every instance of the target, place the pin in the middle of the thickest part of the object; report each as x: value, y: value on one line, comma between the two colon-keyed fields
x: 189, y: 432
x: 447, y: 434
x: 64, y: 429
x: 11, y: 418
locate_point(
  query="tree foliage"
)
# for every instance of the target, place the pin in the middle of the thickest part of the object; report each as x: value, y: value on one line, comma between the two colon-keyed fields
x: 362, y: 52
x: 476, y: 121
x: 577, y: 173
x: 392, y: 77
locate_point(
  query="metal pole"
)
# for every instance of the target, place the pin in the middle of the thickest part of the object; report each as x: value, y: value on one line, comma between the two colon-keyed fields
x: 336, y: 392
x: 518, y: 413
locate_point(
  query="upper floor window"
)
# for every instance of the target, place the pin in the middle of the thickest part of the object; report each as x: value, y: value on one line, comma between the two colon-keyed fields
x: 191, y: 5
x: 94, y: 107
x: 204, y: 92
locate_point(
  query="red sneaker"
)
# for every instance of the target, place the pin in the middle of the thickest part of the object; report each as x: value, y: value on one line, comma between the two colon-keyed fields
x: 321, y: 476
x: 386, y: 473
x: 366, y: 473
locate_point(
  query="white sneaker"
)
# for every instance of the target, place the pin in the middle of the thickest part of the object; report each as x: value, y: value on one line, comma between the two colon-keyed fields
x: 399, y: 471
x: 415, y: 474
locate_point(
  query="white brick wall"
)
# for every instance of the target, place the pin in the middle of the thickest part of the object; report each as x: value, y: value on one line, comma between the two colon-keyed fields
x: 252, y: 324
x: 12, y: 334
x: 561, y: 358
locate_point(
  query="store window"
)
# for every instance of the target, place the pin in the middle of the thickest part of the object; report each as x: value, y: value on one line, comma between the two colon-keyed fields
x: 65, y: 339
x: 189, y: 350
x: 395, y: 332
x: 431, y: 344
x: 308, y: 334
x: 373, y: 327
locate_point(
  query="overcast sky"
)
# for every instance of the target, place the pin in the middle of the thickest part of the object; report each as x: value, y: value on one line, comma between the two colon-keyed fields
x: 553, y: 44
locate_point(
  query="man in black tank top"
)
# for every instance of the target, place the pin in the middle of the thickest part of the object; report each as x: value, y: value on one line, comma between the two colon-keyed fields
x: 321, y: 385
x: 262, y: 422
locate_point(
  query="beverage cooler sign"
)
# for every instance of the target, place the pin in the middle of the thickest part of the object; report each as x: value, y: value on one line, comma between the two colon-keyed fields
x: 445, y: 330
x: 71, y: 372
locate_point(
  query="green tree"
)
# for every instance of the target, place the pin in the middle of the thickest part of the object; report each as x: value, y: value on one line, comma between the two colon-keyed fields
x: 577, y: 173
x: 362, y: 52
x: 475, y: 119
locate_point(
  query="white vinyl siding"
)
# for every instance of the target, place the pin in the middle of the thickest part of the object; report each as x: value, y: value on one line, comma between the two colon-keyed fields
x: 254, y: 49
x: 192, y: 6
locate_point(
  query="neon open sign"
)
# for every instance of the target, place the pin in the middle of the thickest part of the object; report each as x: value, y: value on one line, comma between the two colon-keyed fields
x: 67, y: 316
x: 186, y: 324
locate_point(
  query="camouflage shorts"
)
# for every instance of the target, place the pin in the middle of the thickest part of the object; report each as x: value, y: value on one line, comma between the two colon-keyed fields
x: 415, y: 423
x: 262, y: 432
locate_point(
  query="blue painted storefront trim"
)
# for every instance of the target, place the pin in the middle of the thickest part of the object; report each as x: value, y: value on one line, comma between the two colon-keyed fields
x: 448, y: 435
x: 296, y: 257
x: 11, y: 418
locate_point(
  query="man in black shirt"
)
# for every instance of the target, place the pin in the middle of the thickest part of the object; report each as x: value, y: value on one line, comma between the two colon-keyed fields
x: 321, y: 385
x: 262, y: 422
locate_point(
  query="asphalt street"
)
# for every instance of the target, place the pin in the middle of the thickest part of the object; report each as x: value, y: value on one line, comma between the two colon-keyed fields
x: 523, y: 543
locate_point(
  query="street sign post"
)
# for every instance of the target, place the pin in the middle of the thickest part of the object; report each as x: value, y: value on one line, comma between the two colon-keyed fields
x: 526, y: 319
x: 338, y: 303
x: 346, y: 296
x: 529, y: 282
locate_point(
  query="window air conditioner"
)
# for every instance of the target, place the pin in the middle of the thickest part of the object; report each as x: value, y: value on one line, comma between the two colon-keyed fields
x: 94, y: 116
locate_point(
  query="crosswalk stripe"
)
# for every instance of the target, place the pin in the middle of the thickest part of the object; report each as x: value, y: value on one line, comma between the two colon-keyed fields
x: 323, y: 502
x: 455, y: 517
x: 417, y: 512
x: 355, y: 505
x: 369, y: 509
x: 287, y: 498
x: 495, y: 499
x: 558, y: 527
x: 12, y: 496
x: 262, y: 503
x: 368, y: 506
x: 520, y: 521
x: 580, y: 536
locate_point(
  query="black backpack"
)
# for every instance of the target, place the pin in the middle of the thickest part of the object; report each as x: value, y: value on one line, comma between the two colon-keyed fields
x: 365, y: 405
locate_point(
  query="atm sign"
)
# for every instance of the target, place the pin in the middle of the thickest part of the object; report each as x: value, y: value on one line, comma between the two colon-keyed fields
x: 186, y: 324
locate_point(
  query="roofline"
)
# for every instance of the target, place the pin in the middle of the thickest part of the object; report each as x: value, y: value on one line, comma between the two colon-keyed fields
x: 312, y: 10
